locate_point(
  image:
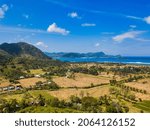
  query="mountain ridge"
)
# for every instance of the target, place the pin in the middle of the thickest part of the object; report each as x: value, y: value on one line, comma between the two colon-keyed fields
x: 21, y: 49
x: 22, y: 52
x: 79, y: 55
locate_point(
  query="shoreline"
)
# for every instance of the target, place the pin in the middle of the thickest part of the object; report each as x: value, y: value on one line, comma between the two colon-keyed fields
x: 145, y: 61
x: 113, y: 63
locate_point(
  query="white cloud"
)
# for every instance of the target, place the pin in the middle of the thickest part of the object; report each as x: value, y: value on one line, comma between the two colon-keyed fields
x: 26, y: 16
x: 97, y: 44
x: 147, y: 19
x: 134, y: 17
x: 53, y: 28
x: 73, y: 15
x: 132, y: 26
x: 88, y: 25
x: 127, y: 35
x: 41, y: 44
x: 3, y: 10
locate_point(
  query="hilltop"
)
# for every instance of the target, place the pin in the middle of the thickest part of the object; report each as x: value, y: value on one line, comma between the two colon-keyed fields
x: 21, y: 49
x: 24, y: 54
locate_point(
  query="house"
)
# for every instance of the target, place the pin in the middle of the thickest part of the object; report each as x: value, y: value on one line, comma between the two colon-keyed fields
x: 37, y: 76
x: 70, y: 74
x: 19, y: 87
x: 11, y: 87
x: 49, y: 82
x: 22, y: 77
x: 5, y: 89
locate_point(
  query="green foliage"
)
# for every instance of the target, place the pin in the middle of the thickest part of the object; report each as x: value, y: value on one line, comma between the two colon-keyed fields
x: 40, y: 100
x: 113, y: 82
x: 54, y: 102
x: 13, y: 74
x: 114, y: 108
x: 90, y: 104
x: 75, y: 99
x: 93, y: 70
x: 24, y: 103
x: 46, y: 86
x: 130, y: 70
x: 48, y: 109
x: 9, y: 106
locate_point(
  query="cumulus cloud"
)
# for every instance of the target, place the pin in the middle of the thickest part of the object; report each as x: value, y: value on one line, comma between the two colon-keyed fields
x: 147, y: 19
x: 3, y: 10
x: 53, y: 28
x: 41, y: 44
x: 73, y: 15
x: 88, y: 25
x: 127, y: 35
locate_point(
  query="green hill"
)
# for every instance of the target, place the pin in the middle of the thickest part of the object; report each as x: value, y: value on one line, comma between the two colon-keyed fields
x: 25, y: 55
x: 4, y: 56
x: 21, y: 49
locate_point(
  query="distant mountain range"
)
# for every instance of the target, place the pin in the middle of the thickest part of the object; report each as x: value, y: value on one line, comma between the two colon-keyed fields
x: 79, y: 55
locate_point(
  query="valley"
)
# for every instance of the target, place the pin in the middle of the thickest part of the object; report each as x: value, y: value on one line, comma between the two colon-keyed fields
x: 40, y: 84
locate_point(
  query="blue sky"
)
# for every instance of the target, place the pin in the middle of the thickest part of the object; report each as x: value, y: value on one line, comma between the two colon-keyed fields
x: 112, y: 26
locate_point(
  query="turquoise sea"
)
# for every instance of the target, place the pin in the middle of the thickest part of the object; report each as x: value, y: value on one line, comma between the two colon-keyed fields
x: 125, y: 60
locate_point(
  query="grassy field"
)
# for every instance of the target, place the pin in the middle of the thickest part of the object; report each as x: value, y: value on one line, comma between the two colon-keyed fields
x: 48, y: 110
x: 23, y: 82
x: 142, y: 96
x: 141, y: 84
x: 32, y: 94
x: 80, y: 80
x: 37, y: 71
x: 30, y: 81
x: 66, y: 93
x: 145, y: 106
x: 18, y: 97
x: 81, y: 85
x: 44, y: 93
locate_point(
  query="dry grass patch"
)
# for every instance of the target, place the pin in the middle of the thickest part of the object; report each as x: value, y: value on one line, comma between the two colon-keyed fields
x: 143, y: 84
x: 81, y: 80
x: 142, y: 96
x: 94, y: 92
x: 4, y: 82
x: 30, y: 81
x: 112, y: 76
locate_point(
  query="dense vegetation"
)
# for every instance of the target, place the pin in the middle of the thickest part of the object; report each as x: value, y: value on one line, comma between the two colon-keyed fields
x: 75, y: 104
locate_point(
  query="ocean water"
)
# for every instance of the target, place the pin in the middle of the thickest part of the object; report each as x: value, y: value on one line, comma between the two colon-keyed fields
x: 125, y: 60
